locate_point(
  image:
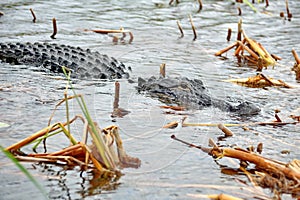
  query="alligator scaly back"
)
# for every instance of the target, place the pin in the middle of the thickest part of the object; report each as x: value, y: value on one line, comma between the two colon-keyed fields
x: 84, y: 63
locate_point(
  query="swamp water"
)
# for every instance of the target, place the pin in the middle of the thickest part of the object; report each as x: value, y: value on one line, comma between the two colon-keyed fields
x: 169, y: 169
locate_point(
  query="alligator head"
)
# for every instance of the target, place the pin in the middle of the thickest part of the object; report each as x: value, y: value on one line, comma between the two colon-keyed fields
x: 190, y: 93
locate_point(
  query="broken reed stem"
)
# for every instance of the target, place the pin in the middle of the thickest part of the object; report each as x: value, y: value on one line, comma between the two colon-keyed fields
x: 226, y: 49
x: 297, y: 59
x: 162, y: 70
x: 131, y: 38
x: 267, y: 3
x: 259, y: 161
x: 288, y: 10
x: 54, y: 28
x: 117, y: 95
x: 33, y: 15
x: 253, y: 54
x: 239, y: 11
x: 229, y: 34
x: 200, y: 5
x: 239, y: 33
x: 193, y: 27
x: 180, y: 29
x: 228, y: 133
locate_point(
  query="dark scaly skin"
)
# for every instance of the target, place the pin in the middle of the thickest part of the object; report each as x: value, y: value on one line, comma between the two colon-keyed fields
x: 190, y: 93
x: 50, y: 57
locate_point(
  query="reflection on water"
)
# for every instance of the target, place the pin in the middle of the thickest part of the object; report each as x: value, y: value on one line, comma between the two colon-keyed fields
x: 27, y: 97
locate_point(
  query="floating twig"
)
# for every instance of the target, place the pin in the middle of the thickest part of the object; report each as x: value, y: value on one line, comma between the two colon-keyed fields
x: 204, y: 149
x: 33, y: 15
x: 200, y: 5
x: 193, y: 27
x: 115, y: 38
x: 180, y: 29
x: 54, y: 28
x: 162, y: 70
x: 229, y: 34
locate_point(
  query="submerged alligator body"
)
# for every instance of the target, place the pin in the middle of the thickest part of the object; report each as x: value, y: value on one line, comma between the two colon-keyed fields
x: 51, y: 57
x: 191, y: 93
x: 89, y: 64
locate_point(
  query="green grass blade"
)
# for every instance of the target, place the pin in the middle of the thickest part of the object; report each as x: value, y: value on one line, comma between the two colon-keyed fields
x: 250, y: 5
x: 24, y: 170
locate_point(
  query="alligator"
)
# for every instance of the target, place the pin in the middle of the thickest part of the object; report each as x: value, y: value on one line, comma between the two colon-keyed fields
x: 191, y: 93
x: 51, y: 57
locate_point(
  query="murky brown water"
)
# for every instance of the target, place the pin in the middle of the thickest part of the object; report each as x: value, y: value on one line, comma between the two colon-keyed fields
x: 169, y: 170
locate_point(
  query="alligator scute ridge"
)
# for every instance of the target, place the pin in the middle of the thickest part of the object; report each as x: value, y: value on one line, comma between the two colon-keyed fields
x: 52, y: 56
x: 191, y: 93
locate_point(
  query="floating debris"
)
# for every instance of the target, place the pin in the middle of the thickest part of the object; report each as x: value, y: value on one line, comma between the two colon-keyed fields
x: 115, y: 37
x: 258, y: 54
x: 268, y: 173
x: 259, y: 81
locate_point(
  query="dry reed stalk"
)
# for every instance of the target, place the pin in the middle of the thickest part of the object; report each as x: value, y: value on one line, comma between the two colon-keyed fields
x: 226, y: 49
x: 38, y: 134
x: 180, y: 29
x: 260, y: 162
x: 253, y: 54
x: 33, y: 15
x: 297, y: 59
x: 239, y: 11
x: 162, y: 70
x: 200, y: 5
x: 193, y: 28
x: 228, y: 133
x: 229, y: 34
x: 117, y: 95
x: 54, y: 28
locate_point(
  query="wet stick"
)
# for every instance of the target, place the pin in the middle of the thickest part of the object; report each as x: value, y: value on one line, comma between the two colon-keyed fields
x: 229, y: 34
x: 297, y: 59
x: 117, y: 95
x: 226, y: 49
x: 193, y: 27
x: 200, y: 5
x: 33, y: 15
x: 267, y: 3
x: 289, y: 15
x: 180, y: 29
x: 239, y: 11
x: 228, y: 133
x: 54, y: 28
x: 239, y: 34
